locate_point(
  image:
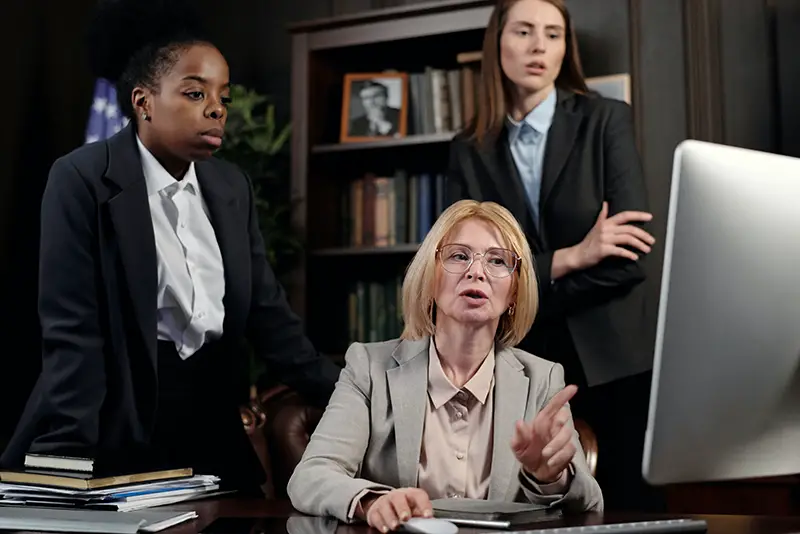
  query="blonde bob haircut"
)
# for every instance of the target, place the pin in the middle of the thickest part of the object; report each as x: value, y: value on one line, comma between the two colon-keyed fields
x: 419, y: 285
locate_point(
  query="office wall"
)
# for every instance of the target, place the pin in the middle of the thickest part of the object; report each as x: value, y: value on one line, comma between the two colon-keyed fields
x: 786, y: 18
x: 661, y: 108
x: 749, y: 83
x: 253, y: 36
x: 46, y: 92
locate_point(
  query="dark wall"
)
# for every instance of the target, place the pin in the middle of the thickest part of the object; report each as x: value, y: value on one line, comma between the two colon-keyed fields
x: 787, y: 44
x: 660, y: 107
x: 46, y: 92
x: 748, y: 75
x: 603, y: 35
x: 253, y: 36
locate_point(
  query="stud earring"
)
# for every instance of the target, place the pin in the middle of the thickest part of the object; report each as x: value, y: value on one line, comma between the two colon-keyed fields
x: 144, y: 115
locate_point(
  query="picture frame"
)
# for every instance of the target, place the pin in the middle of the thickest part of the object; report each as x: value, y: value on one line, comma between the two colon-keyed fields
x: 374, y: 106
x: 615, y: 86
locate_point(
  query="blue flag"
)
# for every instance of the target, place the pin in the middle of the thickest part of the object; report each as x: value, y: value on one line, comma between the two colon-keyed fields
x: 105, y: 118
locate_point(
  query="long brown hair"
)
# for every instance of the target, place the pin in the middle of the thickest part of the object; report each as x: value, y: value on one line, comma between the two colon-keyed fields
x: 494, y: 96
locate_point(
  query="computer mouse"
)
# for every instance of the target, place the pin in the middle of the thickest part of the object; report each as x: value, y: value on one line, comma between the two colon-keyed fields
x: 430, y: 525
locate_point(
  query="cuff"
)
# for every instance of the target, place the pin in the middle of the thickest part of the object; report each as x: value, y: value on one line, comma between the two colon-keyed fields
x: 355, y: 505
x: 558, y: 487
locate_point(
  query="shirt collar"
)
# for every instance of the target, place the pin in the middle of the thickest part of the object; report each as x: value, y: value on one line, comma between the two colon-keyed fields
x: 158, y: 179
x: 539, y: 118
x: 441, y: 390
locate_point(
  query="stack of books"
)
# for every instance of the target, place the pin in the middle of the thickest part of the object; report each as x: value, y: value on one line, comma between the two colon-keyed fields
x: 55, y: 481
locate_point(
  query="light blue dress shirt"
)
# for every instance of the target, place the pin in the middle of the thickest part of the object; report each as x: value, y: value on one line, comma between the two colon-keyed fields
x: 527, y: 139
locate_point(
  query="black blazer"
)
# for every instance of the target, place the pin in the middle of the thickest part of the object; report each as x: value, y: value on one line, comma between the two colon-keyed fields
x: 590, y: 157
x: 359, y: 127
x: 98, y: 304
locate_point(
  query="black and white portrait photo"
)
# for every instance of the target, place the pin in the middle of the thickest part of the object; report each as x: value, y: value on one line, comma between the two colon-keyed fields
x: 374, y: 106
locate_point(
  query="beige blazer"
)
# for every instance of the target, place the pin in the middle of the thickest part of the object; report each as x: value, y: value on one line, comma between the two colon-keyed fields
x: 371, y: 433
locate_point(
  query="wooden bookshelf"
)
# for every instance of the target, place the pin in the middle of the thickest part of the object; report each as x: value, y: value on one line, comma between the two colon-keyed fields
x: 344, y: 276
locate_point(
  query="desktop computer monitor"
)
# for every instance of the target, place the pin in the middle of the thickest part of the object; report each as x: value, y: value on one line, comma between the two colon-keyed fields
x: 725, y: 398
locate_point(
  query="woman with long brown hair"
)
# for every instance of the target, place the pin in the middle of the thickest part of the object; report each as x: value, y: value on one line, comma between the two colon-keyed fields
x: 565, y: 163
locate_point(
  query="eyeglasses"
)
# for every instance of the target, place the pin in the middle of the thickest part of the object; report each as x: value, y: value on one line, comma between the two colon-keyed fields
x: 497, y: 262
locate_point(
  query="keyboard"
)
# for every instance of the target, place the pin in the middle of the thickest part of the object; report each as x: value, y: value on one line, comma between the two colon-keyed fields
x: 665, y: 526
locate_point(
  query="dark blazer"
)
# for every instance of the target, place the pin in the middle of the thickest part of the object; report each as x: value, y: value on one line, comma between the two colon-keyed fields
x: 590, y: 157
x: 97, y: 393
x: 359, y: 126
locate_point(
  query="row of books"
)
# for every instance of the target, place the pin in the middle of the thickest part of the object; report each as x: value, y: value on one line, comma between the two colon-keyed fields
x: 375, y: 310
x: 383, y: 211
x: 443, y: 100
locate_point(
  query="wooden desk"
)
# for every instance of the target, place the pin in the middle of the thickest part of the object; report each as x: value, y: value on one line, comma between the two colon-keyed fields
x: 278, y: 517
x: 778, y: 496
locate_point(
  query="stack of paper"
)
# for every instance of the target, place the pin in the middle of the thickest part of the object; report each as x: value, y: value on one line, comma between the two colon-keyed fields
x: 60, y: 520
x: 122, y: 498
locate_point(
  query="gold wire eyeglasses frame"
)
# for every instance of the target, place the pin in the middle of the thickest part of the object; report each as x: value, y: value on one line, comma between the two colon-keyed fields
x: 491, y: 270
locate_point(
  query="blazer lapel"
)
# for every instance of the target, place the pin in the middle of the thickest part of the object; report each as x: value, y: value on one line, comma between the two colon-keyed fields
x: 130, y: 215
x: 499, y: 162
x: 408, y: 391
x: 229, y: 221
x: 510, y: 401
x: 560, y: 140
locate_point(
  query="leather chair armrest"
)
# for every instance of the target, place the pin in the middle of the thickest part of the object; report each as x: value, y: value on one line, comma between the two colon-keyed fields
x: 588, y: 441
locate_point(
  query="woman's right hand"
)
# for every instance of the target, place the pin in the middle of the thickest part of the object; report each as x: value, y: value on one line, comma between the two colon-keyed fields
x: 388, y: 511
x: 610, y: 235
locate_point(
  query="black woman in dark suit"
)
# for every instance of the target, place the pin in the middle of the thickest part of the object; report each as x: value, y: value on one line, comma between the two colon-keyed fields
x: 564, y: 161
x: 153, y: 273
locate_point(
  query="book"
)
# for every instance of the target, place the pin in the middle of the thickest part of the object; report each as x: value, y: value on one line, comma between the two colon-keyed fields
x: 85, y: 481
x: 59, y: 463
x: 479, y: 512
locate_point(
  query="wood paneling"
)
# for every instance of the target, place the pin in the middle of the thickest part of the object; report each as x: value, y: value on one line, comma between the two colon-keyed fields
x: 703, y: 70
x: 749, y: 100
x: 661, y: 115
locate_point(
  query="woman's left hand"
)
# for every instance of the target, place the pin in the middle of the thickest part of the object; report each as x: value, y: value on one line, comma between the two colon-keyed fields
x: 544, y: 446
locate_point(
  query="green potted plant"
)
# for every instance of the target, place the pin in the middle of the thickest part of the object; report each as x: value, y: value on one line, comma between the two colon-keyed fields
x: 258, y: 145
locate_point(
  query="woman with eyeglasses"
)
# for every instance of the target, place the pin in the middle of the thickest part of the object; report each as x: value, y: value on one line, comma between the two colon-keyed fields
x: 451, y: 409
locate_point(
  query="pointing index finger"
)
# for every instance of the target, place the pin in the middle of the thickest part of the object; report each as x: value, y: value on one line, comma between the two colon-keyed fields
x: 558, y: 401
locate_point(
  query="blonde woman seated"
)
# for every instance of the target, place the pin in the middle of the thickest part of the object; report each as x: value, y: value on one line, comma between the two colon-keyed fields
x: 451, y: 409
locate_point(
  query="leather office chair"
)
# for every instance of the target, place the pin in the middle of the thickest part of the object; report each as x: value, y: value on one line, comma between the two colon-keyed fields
x: 280, y: 426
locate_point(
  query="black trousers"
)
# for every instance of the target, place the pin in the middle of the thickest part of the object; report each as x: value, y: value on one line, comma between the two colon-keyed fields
x: 198, y: 423
x: 617, y: 412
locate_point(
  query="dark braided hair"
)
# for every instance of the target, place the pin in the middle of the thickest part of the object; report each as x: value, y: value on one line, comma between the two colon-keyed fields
x: 136, y: 42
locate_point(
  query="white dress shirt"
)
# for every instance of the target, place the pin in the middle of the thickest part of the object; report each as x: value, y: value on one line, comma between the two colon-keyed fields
x: 191, y: 278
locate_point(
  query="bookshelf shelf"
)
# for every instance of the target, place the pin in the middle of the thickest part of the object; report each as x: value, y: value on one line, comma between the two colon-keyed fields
x: 366, y: 251
x: 408, y: 141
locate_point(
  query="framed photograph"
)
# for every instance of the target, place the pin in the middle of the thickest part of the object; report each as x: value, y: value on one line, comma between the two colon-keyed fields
x: 374, y: 106
x: 616, y: 86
